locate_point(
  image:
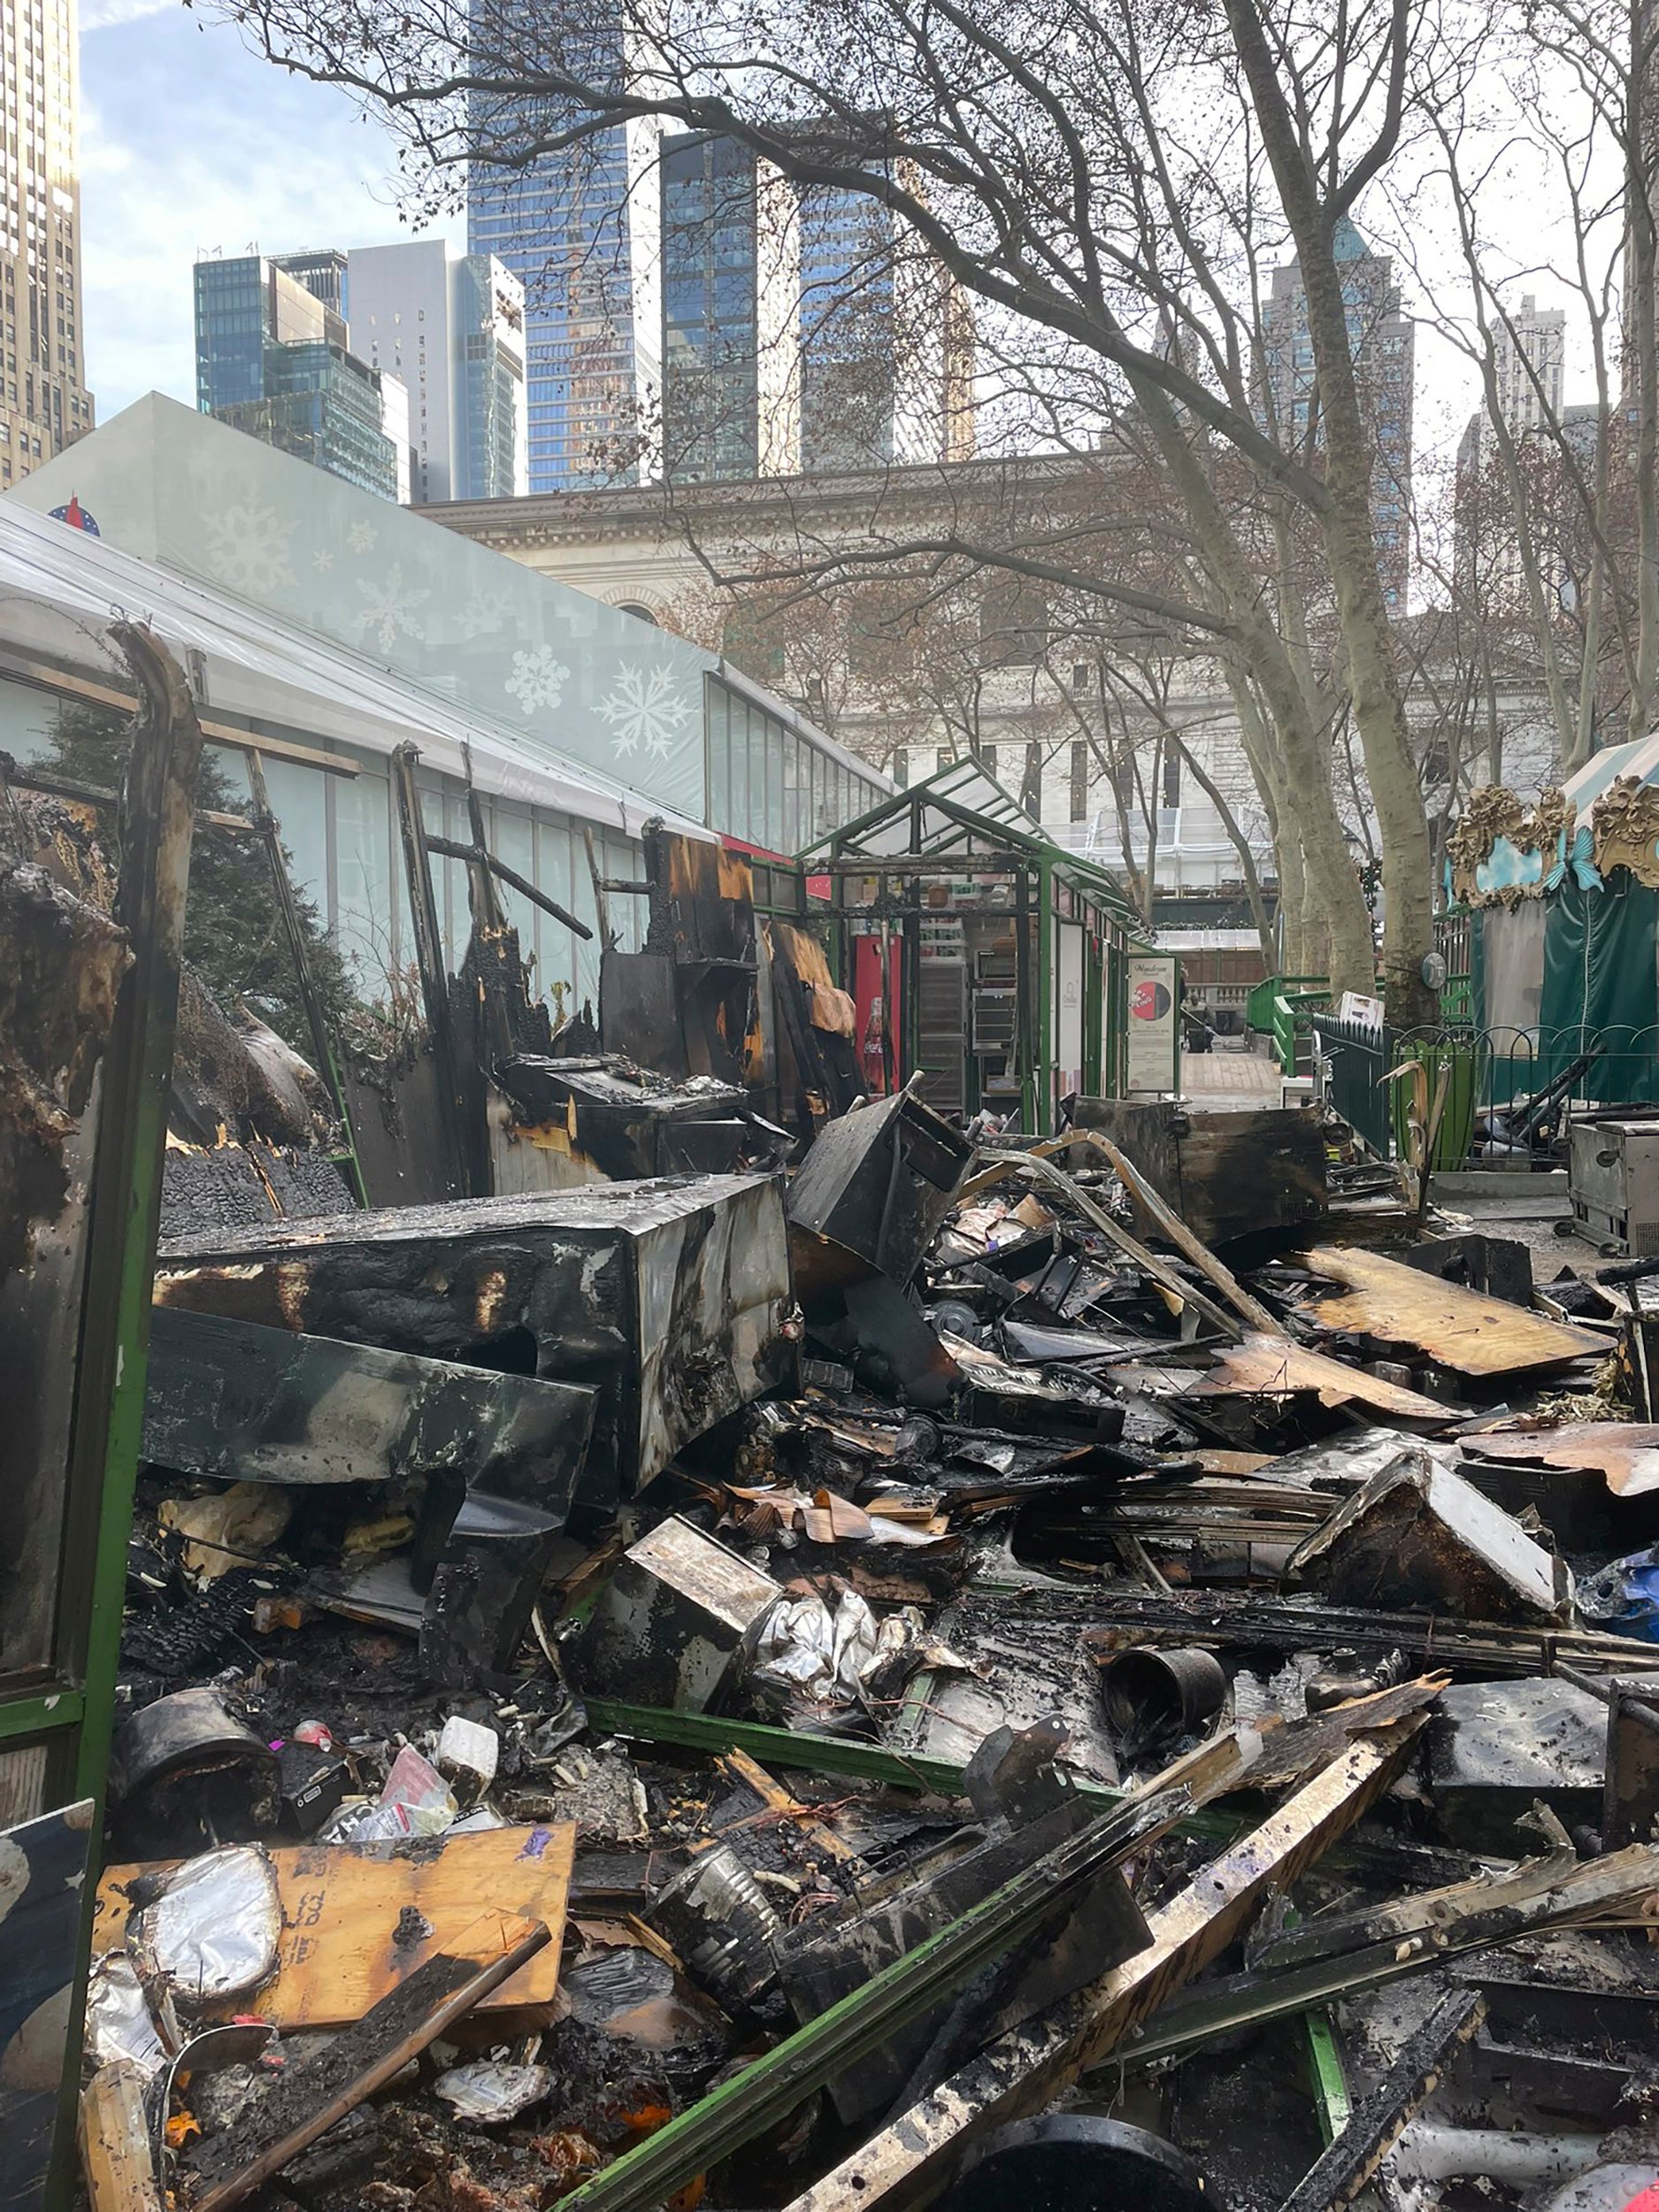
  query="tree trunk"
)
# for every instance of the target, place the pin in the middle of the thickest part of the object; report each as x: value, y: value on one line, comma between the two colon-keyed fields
x: 1350, y: 545
x: 1306, y: 758
x: 1378, y: 707
x: 1639, y: 218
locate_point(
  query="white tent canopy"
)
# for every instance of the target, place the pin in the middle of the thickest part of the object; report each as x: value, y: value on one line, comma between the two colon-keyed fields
x: 60, y: 589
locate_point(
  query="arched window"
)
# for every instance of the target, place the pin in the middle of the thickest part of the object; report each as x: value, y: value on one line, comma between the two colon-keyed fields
x: 633, y: 607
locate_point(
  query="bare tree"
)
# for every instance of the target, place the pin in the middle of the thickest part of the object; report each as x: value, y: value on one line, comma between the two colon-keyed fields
x: 1556, y: 503
x: 1084, y: 170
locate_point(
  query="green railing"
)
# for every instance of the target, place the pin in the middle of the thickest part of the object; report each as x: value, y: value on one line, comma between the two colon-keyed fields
x: 1292, y: 1013
x: 1258, y: 1008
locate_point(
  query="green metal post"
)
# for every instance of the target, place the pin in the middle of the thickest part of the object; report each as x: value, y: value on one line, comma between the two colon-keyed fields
x: 157, y: 824
x: 1329, y: 2075
x: 1044, y: 1122
x: 1094, y: 1014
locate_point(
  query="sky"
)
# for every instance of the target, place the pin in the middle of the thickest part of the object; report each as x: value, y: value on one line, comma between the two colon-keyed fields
x: 191, y: 144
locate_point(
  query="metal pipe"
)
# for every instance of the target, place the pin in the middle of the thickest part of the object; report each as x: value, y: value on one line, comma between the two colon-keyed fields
x: 1428, y: 2152
x: 475, y: 855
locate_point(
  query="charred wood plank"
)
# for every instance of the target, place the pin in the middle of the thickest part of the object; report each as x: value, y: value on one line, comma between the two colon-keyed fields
x: 1337, y: 2178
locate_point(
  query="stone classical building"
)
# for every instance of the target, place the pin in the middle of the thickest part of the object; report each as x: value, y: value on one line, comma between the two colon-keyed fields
x: 992, y: 665
x: 911, y: 674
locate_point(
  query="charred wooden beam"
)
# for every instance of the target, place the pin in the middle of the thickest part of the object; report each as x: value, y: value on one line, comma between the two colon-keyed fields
x: 478, y: 857
x: 1336, y: 2178
x: 1486, y: 1917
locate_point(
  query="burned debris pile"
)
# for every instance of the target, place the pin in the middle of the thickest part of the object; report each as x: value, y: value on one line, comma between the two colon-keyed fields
x: 913, y: 1676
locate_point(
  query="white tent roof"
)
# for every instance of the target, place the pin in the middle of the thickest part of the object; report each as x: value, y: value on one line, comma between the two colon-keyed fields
x: 60, y: 588
x: 1640, y: 757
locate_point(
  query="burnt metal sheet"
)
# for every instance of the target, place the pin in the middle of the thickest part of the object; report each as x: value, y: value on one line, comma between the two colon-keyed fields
x: 1495, y: 1749
x: 1419, y: 1536
x: 1461, y: 1329
x: 668, y: 1298
x: 1630, y: 1811
x: 1225, y: 1174
x: 623, y: 1123
x: 639, y: 1010
x: 244, y: 1403
x: 871, y: 1193
x: 1027, y: 1344
x: 42, y: 1879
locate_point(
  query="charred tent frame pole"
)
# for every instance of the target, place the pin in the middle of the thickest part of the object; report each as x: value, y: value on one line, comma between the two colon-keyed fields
x: 157, y: 825
x: 265, y: 823
x: 474, y: 856
x: 435, y: 980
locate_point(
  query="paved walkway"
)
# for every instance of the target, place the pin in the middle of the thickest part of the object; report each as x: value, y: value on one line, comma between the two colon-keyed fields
x: 1219, y: 1080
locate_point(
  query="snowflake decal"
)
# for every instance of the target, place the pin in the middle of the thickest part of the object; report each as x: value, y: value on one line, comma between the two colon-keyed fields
x: 363, y: 537
x: 247, y: 547
x: 537, y: 679
x: 392, y: 609
x: 649, y: 710
x: 482, y: 616
x: 322, y: 561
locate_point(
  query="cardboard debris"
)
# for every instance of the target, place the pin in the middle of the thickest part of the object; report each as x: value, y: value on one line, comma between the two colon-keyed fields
x: 1271, y: 1366
x: 1626, y: 1453
x: 341, y: 1906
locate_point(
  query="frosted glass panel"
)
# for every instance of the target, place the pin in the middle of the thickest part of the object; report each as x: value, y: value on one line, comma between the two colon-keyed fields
x: 559, y: 673
x: 365, y: 915
x: 299, y: 799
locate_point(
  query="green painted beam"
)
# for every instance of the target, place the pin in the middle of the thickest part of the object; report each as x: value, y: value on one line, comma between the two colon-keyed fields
x: 40, y: 1715
x: 767, y: 2091
x: 1328, y: 2075
x: 858, y: 1762
x: 786, y: 1748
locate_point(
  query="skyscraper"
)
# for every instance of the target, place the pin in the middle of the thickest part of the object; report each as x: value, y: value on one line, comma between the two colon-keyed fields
x: 1382, y: 340
x: 44, y: 403
x: 273, y: 358
x: 581, y: 230
x: 451, y: 327
x: 801, y: 330
x: 1530, y: 353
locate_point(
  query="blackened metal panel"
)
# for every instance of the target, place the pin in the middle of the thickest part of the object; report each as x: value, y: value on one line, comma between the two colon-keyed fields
x: 43, y: 1868
x: 553, y: 1285
x: 244, y: 1403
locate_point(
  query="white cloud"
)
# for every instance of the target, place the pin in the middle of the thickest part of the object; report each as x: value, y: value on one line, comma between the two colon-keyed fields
x: 102, y: 15
x: 266, y: 162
